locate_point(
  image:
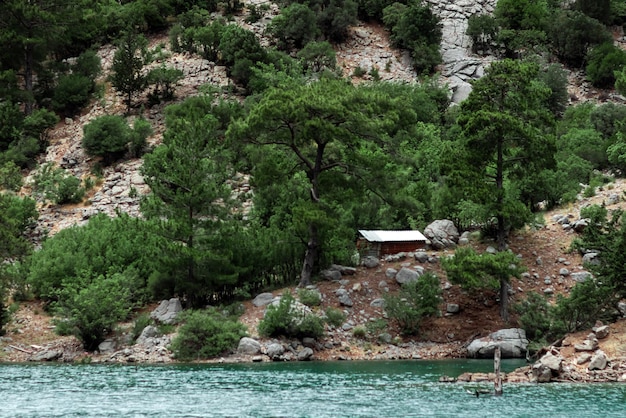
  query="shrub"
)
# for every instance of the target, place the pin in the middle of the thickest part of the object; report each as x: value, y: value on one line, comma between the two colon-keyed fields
x: 72, y: 93
x: 415, y: 301
x: 359, y: 331
x: 534, y: 316
x: 10, y: 176
x: 56, y: 185
x: 107, y: 137
x: 206, y: 334
x: 572, y: 34
x: 309, y: 297
x: 602, y: 62
x: 294, y: 27
x: 93, y: 310
x: 482, y: 29
x: 334, y: 317
x: 290, y: 320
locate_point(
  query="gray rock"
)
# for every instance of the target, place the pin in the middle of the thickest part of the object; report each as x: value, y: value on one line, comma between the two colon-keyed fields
x: 263, y: 299
x: 587, y: 345
x: 452, y: 308
x: 390, y: 273
x: 512, y: 343
x: 580, y: 276
x: 46, y: 355
x: 541, y: 373
x: 406, y: 275
x: 385, y: 338
x: 167, y: 311
x: 107, y: 346
x: 378, y: 303
x: 248, y: 346
x: 332, y: 275
x: 345, y: 300
x: 601, y: 332
x: 583, y: 358
x: 491, y: 250
x: 371, y: 262
x: 598, y: 361
x: 591, y: 258
x: 613, y: 199
x: 149, y: 331
x: 442, y: 234
x: 421, y: 256
x: 344, y: 270
x: 552, y: 361
x: 564, y: 272
x: 580, y: 225
x: 274, y: 351
x: 621, y: 306
x: 305, y: 354
x: 309, y: 342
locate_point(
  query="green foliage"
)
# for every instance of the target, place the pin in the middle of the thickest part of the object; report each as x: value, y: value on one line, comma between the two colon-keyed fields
x: 290, y: 320
x: 414, y: 27
x: 534, y: 317
x: 78, y: 255
x: 16, y: 216
x: 56, y: 185
x: 110, y: 137
x: 164, y: 81
x: 359, y: 331
x: 597, y: 9
x: 91, y: 311
x: 475, y: 271
x: 317, y: 56
x: 294, y: 27
x: 188, y: 176
x: 620, y: 81
x: 206, y: 334
x: 128, y: 62
x: 334, y: 17
x: 309, y: 297
x: 572, y: 33
x: 482, y: 29
x: 602, y: 63
x: 587, y: 303
x: 555, y: 78
x: 72, y: 93
x: 334, y: 317
x: 10, y: 176
x: 415, y: 300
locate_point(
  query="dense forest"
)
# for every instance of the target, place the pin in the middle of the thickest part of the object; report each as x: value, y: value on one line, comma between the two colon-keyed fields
x: 326, y: 155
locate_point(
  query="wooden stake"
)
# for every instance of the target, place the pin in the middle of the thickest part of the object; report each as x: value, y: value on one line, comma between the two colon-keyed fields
x: 496, y: 366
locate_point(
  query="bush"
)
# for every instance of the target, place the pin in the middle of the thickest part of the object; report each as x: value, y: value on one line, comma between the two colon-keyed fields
x: 56, y: 185
x: 359, y: 331
x: 92, y: 311
x: 415, y: 301
x: 72, y: 93
x: 206, y: 334
x: 482, y: 29
x: 294, y: 27
x: 334, y: 317
x: 534, y: 317
x: 10, y: 176
x: 572, y: 34
x: 309, y: 297
x: 290, y: 320
x: 107, y: 137
x: 602, y: 62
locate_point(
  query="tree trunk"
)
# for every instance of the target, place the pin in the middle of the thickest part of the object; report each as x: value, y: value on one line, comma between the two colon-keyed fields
x: 504, y: 300
x: 312, y: 250
x: 501, y: 234
x: 496, y: 368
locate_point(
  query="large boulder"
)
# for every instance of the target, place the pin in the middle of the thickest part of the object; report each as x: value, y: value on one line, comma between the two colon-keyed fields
x: 442, y: 234
x: 248, y: 346
x: 407, y: 275
x: 263, y: 299
x: 167, y: 311
x: 512, y: 343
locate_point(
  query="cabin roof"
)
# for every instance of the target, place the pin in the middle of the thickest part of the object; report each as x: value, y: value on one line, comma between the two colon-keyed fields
x: 392, y: 236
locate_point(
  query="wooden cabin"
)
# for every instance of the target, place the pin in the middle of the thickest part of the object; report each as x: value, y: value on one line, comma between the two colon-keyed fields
x: 380, y: 243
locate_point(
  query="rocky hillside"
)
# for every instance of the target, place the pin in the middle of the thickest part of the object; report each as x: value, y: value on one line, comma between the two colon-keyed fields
x: 552, y: 269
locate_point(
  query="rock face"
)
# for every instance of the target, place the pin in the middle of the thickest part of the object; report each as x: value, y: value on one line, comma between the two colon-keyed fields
x: 442, y: 234
x: 248, y: 346
x: 167, y: 311
x: 512, y: 343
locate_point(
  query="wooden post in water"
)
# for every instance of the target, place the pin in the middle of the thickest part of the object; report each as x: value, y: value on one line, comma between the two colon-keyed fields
x: 496, y: 367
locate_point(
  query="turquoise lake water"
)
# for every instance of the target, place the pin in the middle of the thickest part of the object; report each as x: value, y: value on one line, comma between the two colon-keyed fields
x: 315, y: 389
